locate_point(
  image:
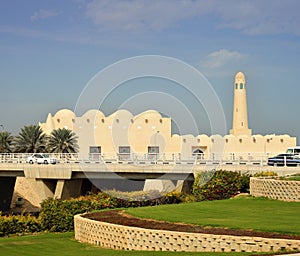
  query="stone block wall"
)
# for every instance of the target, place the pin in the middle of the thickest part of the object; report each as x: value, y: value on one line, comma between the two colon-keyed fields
x: 283, y: 190
x: 119, y: 237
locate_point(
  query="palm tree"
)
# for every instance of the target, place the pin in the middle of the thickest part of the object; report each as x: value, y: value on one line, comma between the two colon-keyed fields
x: 31, y: 139
x: 6, y: 142
x: 62, y: 141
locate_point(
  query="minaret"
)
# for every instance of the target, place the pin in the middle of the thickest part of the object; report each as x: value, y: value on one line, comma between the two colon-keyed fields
x: 240, y: 114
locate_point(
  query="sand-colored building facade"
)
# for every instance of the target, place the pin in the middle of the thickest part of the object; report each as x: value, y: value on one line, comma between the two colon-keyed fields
x: 124, y: 134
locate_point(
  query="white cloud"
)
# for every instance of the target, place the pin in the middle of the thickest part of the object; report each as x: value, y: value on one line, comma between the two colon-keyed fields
x: 253, y: 17
x: 44, y: 14
x: 221, y: 58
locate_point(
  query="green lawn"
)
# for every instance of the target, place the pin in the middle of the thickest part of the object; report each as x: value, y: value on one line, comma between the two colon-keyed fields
x: 259, y: 214
x: 65, y: 245
x: 295, y: 177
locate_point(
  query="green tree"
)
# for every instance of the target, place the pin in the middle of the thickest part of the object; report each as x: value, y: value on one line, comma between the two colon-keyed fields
x: 31, y: 139
x: 62, y: 141
x: 6, y: 142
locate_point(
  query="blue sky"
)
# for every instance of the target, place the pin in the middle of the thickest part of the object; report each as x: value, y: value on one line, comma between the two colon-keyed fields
x: 50, y: 50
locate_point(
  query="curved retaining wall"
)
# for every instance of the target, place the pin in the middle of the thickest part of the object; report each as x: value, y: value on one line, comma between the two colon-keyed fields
x: 131, y: 238
x: 283, y: 190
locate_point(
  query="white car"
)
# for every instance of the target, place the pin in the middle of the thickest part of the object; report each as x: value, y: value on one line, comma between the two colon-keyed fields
x: 41, y: 159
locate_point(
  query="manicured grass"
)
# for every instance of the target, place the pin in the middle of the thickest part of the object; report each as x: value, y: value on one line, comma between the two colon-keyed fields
x: 258, y: 214
x: 295, y: 177
x: 65, y: 245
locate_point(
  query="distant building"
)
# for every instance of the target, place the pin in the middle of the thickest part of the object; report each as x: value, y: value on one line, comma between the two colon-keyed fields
x: 149, y: 133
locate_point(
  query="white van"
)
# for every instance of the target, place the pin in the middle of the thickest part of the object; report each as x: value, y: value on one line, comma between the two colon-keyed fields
x: 293, y: 150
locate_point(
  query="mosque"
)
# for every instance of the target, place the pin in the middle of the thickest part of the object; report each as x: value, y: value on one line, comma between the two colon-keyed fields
x: 149, y: 133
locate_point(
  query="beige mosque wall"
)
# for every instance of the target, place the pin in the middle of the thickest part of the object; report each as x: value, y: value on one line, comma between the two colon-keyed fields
x: 122, y: 132
x: 150, y: 129
x: 121, y: 129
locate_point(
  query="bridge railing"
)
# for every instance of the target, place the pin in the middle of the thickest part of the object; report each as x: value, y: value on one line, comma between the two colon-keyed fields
x: 14, y: 157
x: 153, y: 158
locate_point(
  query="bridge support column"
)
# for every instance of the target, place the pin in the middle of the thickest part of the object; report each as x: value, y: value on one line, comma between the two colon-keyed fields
x: 159, y: 185
x: 46, y: 188
x: 184, y: 186
x: 7, y: 185
x: 66, y: 189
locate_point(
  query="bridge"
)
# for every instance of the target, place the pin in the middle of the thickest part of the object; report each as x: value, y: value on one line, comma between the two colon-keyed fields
x: 76, y: 174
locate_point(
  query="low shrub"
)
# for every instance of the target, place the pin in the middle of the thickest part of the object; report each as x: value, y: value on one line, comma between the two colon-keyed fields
x: 266, y: 174
x: 222, y: 185
x: 19, y: 224
x: 134, y: 198
x: 149, y: 198
x: 99, y: 201
x: 245, y: 183
x: 57, y: 215
x: 174, y: 198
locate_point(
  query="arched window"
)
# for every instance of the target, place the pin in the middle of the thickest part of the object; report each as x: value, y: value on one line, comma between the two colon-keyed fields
x: 236, y: 86
x: 241, y: 85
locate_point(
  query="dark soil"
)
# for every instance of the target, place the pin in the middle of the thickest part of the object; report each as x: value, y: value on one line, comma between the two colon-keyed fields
x: 119, y: 217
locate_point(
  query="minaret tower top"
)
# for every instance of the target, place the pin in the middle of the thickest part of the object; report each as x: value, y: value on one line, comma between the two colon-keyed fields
x: 240, y: 114
x: 240, y: 78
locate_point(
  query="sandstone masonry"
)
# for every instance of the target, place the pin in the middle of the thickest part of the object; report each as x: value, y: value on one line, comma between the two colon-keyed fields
x: 283, y: 190
x: 132, y: 238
